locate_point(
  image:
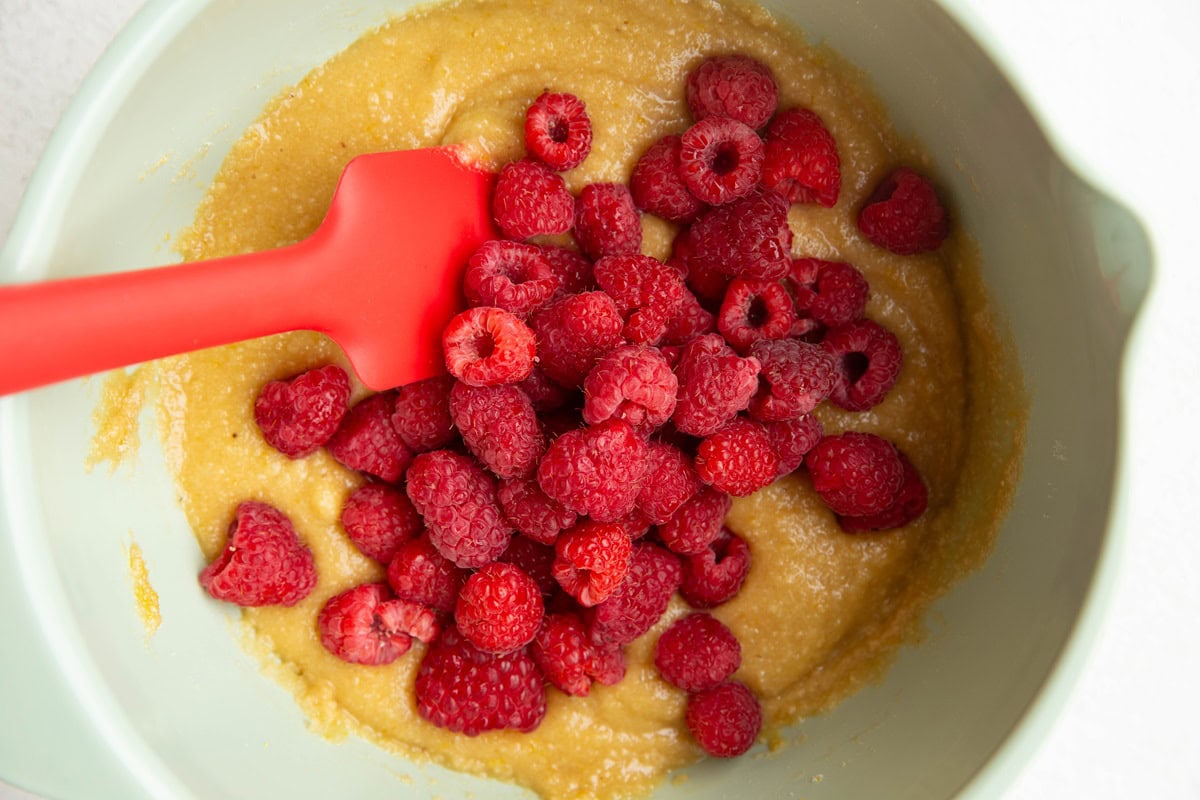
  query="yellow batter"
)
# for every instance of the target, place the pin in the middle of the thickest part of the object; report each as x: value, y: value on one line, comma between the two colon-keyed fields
x: 821, y: 611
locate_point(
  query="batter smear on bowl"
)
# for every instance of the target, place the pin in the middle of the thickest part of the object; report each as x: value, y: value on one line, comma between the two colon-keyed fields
x: 730, y: 386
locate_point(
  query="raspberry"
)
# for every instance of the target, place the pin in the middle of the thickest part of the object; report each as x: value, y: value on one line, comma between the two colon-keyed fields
x: 558, y: 131
x: 631, y: 383
x: 792, y: 439
x: 595, y: 470
x: 749, y: 238
x: 367, y: 625
x: 640, y: 601
x: 465, y: 690
x: 457, y: 498
x: 868, y: 360
x: 904, y: 215
x: 531, y: 512
x: 379, y: 518
x: 648, y: 293
x: 657, y: 187
x: 635, y: 524
x: 801, y: 159
x: 499, y: 426
x: 570, y: 661
x: 714, y: 385
x: 574, y: 331
x: 856, y: 474
x: 499, y: 609
x: 535, y: 560
x: 419, y: 573
x: 735, y: 86
x: 690, y: 321
x: 909, y: 504
x: 572, y: 271
x: 738, y: 459
x: 831, y: 292
x: 715, y: 575
x: 670, y: 481
x: 422, y: 415
x: 367, y: 442
x: 543, y: 393
x: 591, y: 560
x: 509, y: 275
x: 703, y: 279
x: 297, y: 416
x: 720, y: 160
x: 607, y: 221
x: 264, y: 563
x: 725, y: 720
x: 487, y: 346
x: 697, y: 523
x: 755, y: 310
x: 697, y: 652
x: 530, y: 200
x: 793, y: 379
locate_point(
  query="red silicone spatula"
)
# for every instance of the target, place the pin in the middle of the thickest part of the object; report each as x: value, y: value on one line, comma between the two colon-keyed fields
x: 382, y: 275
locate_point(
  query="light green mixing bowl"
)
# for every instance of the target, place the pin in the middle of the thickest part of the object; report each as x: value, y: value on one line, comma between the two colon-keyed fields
x: 91, y: 709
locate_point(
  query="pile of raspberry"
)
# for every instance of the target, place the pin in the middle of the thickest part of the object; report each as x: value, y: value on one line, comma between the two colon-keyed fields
x: 536, y: 508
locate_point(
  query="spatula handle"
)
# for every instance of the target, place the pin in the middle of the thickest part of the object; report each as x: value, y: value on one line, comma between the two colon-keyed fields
x: 55, y: 330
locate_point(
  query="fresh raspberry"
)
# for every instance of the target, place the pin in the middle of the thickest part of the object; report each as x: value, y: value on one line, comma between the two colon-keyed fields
x: 422, y: 415
x: 264, y: 563
x: 856, y: 474
x: 499, y: 426
x: 607, y: 221
x: 868, y: 360
x: 535, y: 560
x: 690, y: 321
x: 735, y: 86
x: 791, y: 440
x: 572, y: 271
x: 648, y: 293
x: 570, y: 661
x: 640, y: 601
x: 368, y: 625
x: 724, y: 720
x: 297, y: 416
x: 574, y: 331
x: 714, y: 385
x: 697, y: 652
x: 635, y: 523
x: 487, y: 346
x: 703, y: 278
x: 457, y: 498
x: 632, y: 383
x: 749, y: 238
x: 801, y: 159
x: 720, y: 160
x: 697, y: 523
x: 670, y: 481
x: 419, y: 573
x: 531, y: 512
x: 794, y: 377
x: 904, y: 215
x: 658, y: 188
x: 715, y: 575
x: 499, y: 609
x: 831, y: 292
x: 367, y: 442
x: 465, y: 690
x: 591, y: 560
x: 755, y: 310
x: 558, y: 131
x: 595, y: 470
x: 909, y: 504
x: 737, y: 459
x: 543, y: 393
x: 530, y: 200
x: 379, y: 518
x: 509, y: 275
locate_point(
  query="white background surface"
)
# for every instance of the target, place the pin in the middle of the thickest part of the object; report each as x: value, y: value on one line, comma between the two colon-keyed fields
x: 1121, y: 88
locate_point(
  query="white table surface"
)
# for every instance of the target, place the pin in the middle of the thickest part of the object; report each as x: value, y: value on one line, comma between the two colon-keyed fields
x: 1124, y: 83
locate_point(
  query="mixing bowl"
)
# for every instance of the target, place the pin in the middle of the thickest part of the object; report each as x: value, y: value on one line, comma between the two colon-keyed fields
x: 95, y: 708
